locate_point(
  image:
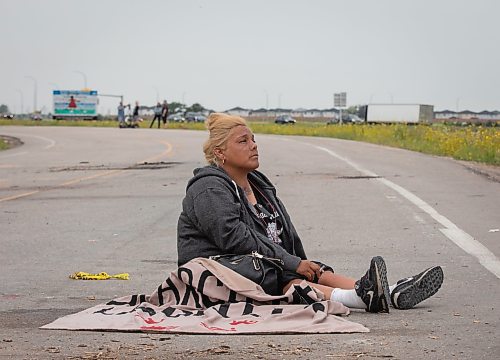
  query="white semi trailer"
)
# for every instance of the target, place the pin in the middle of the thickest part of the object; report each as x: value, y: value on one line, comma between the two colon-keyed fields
x: 398, y: 113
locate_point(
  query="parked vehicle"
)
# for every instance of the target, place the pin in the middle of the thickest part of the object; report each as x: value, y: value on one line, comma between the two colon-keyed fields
x: 398, y: 113
x: 351, y: 118
x: 195, y: 117
x: 285, y: 119
x: 346, y: 119
x: 178, y: 117
x: 8, y: 116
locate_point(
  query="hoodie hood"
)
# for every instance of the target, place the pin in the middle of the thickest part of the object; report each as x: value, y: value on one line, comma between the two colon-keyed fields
x: 211, y: 170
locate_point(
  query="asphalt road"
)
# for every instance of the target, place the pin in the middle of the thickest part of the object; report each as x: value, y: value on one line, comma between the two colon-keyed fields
x: 102, y: 199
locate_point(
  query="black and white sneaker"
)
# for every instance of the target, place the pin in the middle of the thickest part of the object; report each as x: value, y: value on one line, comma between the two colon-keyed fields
x: 413, y: 290
x: 373, y: 287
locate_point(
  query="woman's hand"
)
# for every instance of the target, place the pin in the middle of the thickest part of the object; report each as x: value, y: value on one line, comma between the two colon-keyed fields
x: 308, y: 269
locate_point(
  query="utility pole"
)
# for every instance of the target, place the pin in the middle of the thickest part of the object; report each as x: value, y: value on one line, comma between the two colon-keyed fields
x: 35, y: 91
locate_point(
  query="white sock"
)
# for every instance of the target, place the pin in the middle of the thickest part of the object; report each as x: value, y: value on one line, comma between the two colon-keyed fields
x: 348, y: 297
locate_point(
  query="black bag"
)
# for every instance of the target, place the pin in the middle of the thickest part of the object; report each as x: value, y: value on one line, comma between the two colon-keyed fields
x: 258, y: 268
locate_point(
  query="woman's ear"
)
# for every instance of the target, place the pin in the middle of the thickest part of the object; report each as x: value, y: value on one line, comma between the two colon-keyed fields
x: 218, y: 153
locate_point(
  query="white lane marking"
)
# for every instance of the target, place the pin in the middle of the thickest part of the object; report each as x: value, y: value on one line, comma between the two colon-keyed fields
x: 462, y: 239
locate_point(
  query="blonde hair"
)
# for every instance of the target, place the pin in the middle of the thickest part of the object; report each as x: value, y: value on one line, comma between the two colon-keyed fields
x: 219, y: 125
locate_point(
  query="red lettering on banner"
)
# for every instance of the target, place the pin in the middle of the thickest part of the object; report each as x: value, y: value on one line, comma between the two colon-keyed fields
x: 243, y: 322
x: 150, y: 320
x: 155, y: 327
x: 215, y: 328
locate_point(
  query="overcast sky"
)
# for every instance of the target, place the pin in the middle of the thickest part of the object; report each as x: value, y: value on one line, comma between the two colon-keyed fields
x: 227, y: 53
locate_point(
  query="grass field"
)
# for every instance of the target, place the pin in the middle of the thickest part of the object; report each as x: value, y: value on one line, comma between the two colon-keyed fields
x: 3, y: 145
x: 472, y: 143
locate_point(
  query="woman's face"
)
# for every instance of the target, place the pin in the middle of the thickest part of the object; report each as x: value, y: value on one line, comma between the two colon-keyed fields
x: 241, y: 150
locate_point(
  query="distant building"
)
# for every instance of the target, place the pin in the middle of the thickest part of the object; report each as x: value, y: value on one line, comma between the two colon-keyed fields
x: 299, y: 112
x: 258, y: 113
x: 238, y: 111
x: 330, y: 113
x: 489, y: 115
x: 467, y: 115
x: 313, y: 113
x: 279, y: 111
x: 444, y: 115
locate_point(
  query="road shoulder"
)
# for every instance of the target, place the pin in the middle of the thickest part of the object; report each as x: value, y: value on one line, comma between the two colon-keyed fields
x: 10, y: 141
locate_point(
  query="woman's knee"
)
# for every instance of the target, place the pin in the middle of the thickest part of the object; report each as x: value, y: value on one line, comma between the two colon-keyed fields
x: 290, y: 283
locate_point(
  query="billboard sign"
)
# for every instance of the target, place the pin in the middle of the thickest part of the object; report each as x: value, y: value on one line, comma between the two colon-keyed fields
x: 77, y: 103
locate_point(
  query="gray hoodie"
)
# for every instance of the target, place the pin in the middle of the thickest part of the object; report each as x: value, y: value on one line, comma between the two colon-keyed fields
x: 217, y: 219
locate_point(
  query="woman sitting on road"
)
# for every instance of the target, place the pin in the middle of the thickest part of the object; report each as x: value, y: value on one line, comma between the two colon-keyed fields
x: 231, y: 208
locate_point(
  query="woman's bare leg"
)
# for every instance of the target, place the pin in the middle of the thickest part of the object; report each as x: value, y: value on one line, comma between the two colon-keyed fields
x: 327, y: 282
x: 326, y: 290
x: 336, y: 281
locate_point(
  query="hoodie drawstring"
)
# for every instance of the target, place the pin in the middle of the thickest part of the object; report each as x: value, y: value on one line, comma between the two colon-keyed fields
x: 236, y: 188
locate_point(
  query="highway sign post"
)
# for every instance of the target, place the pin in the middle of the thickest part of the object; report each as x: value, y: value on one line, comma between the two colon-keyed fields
x: 340, y: 101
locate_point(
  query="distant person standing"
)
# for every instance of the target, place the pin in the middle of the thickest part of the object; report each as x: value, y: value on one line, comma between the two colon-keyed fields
x: 157, y: 110
x: 164, y: 112
x: 135, y: 113
x: 121, y: 114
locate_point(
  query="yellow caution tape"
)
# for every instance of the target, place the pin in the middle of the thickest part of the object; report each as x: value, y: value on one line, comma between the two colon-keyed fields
x: 101, y: 276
